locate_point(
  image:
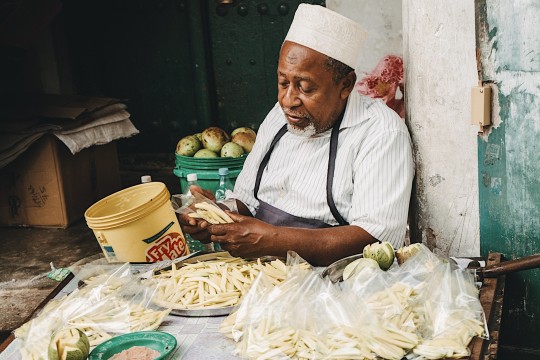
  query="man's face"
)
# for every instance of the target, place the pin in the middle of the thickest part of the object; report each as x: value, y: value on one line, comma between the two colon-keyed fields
x: 310, y: 99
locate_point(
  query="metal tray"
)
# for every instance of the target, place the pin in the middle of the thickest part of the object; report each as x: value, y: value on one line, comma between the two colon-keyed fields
x: 204, y: 256
x: 203, y: 312
x: 334, y: 271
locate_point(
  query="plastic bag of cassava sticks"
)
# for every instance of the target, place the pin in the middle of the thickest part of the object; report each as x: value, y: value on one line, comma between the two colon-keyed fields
x: 109, y: 302
x: 130, y: 308
x: 443, y: 304
x: 97, y: 280
x: 307, y: 317
x: 386, y: 329
x: 200, y: 207
x: 449, y: 313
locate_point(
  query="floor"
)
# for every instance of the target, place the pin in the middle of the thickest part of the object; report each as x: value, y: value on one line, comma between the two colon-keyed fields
x: 26, y: 259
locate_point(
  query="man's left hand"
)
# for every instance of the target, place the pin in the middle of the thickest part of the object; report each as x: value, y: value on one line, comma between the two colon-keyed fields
x: 246, y: 237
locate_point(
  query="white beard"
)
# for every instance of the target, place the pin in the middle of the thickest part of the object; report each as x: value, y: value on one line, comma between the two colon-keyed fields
x: 308, y: 131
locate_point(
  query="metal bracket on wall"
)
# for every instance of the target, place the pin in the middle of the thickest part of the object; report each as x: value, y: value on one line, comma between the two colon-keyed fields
x: 481, y: 106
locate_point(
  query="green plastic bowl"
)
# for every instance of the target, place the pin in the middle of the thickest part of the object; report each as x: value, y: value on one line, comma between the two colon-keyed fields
x: 160, y: 341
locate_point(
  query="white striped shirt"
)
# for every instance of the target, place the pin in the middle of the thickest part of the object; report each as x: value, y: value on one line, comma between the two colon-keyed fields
x: 373, y: 171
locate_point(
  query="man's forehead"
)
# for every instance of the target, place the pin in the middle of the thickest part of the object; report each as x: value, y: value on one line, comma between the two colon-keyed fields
x: 298, y: 76
x: 294, y: 53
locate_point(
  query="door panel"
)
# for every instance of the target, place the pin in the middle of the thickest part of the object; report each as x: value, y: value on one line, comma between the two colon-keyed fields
x: 246, y: 38
x: 509, y: 161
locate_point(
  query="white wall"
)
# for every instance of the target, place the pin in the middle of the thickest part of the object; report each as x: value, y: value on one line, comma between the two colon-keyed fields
x: 383, y: 21
x: 440, y: 69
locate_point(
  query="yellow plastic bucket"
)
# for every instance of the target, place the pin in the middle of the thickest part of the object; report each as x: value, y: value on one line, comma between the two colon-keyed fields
x: 137, y: 224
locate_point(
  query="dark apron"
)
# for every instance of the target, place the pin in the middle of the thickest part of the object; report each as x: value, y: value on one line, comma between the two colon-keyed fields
x: 275, y: 216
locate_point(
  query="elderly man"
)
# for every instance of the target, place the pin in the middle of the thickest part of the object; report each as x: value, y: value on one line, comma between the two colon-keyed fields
x: 331, y: 170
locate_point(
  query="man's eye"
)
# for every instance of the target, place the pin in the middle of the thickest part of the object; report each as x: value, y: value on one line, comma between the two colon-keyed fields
x: 306, y: 90
x: 284, y: 84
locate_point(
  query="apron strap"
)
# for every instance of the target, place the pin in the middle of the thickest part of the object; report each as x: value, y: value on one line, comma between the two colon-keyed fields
x: 330, y: 174
x: 265, y: 159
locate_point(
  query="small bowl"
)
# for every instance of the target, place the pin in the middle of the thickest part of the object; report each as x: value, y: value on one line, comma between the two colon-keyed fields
x: 160, y: 341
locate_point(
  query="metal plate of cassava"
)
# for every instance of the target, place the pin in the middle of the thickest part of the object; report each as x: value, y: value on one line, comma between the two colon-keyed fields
x: 217, y: 281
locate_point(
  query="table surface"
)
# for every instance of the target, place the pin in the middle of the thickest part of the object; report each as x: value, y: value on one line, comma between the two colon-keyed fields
x: 199, y: 337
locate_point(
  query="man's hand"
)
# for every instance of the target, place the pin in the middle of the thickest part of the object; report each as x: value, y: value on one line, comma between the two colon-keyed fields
x: 197, y: 228
x: 246, y: 237
x: 206, y: 193
x: 251, y: 237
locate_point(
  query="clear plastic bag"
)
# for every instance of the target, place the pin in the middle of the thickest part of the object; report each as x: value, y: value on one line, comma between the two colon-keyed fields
x: 450, y: 313
x: 308, y: 317
x: 200, y: 207
x: 427, y: 308
x: 272, y: 319
x: 129, y: 308
x: 109, y: 302
x: 444, y: 303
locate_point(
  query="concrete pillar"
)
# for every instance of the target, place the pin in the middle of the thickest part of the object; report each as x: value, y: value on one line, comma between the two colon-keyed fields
x: 440, y: 69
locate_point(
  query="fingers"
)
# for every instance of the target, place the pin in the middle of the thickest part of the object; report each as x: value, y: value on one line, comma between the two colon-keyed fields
x: 188, y: 221
x: 235, y: 216
x: 199, y: 226
x: 222, y: 239
x: 198, y: 232
x: 206, y: 193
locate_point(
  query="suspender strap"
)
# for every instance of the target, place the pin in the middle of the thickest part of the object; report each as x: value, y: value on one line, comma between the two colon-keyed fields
x: 265, y: 159
x: 330, y: 174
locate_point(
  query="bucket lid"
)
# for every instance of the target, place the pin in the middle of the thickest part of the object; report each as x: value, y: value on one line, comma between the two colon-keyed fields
x: 126, y: 204
x: 128, y: 215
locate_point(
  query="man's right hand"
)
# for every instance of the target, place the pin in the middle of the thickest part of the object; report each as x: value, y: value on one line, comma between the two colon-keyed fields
x: 206, y: 193
x: 196, y: 228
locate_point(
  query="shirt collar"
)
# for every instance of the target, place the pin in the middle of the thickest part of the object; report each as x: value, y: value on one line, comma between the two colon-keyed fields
x: 356, y: 111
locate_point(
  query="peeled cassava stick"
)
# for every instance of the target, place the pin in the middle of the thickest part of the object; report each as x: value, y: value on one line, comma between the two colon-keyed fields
x: 213, y: 283
x: 211, y: 213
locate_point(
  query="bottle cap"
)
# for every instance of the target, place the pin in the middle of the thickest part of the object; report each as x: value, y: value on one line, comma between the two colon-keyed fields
x: 223, y: 171
x: 146, y: 179
x: 191, y: 177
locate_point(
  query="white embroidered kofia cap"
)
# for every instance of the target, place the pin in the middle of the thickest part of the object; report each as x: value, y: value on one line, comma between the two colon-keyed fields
x: 327, y: 32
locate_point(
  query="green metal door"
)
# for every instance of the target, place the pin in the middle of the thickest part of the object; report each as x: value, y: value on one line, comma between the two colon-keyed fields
x: 246, y: 38
x: 181, y: 65
x: 509, y: 160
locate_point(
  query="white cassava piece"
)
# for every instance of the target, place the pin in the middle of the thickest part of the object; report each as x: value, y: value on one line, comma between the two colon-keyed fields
x: 327, y: 32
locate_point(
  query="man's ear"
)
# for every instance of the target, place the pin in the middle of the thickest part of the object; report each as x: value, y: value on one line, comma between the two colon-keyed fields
x: 347, y: 85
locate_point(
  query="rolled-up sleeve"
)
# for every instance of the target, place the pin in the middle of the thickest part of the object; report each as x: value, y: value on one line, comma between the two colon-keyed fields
x: 382, y: 186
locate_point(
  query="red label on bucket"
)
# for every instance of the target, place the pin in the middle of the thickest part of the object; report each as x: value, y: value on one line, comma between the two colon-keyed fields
x: 168, y: 247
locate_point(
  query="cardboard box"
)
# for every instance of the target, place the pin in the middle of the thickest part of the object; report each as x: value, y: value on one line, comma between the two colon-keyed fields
x: 47, y: 186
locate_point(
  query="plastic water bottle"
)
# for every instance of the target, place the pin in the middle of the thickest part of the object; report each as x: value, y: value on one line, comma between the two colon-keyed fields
x: 195, y: 245
x: 225, y: 186
x: 191, y: 180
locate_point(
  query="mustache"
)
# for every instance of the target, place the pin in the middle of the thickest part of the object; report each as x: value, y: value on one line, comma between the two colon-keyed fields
x: 292, y: 113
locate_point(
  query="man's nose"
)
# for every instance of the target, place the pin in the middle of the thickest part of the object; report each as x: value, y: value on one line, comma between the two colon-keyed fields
x: 290, y: 98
